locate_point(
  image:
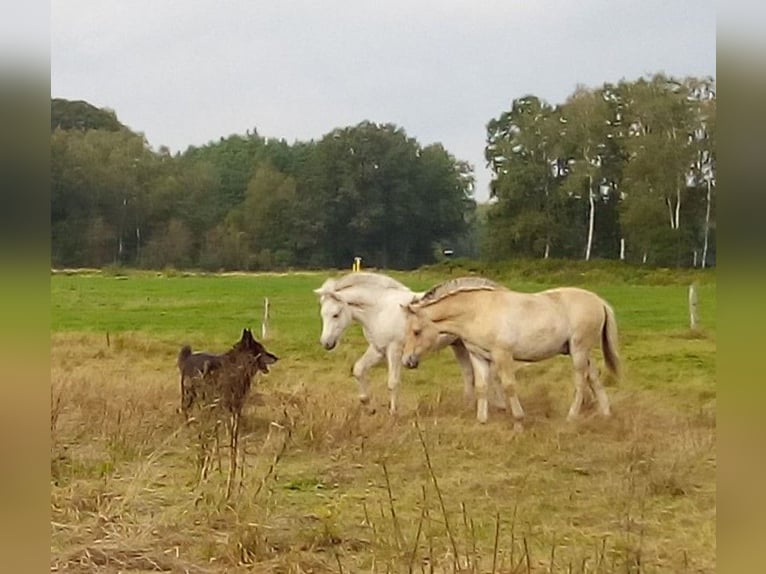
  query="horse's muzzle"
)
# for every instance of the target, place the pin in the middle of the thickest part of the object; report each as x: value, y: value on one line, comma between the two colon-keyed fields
x: 411, y: 361
x: 329, y: 345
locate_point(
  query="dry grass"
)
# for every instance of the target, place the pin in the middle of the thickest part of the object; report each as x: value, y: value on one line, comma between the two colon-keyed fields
x: 325, y: 486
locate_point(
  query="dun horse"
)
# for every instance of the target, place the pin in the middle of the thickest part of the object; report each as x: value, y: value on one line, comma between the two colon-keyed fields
x: 500, y: 328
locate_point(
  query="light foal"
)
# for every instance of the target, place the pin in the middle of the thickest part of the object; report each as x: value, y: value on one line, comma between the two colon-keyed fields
x: 501, y: 328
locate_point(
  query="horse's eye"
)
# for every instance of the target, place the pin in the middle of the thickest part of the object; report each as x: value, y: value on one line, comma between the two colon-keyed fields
x: 336, y: 315
x: 416, y: 332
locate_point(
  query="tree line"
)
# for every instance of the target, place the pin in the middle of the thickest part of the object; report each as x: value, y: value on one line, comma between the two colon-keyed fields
x: 626, y: 171
x: 632, y: 162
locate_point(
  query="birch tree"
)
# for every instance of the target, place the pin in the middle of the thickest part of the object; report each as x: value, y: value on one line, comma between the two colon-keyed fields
x: 588, y: 116
x: 658, y: 122
x: 530, y: 216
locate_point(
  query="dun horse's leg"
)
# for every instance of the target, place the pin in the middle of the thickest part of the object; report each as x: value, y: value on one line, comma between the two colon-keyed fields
x: 504, y: 369
x: 370, y: 358
x: 497, y: 394
x: 394, y: 357
x: 481, y: 373
x: 580, y: 362
x: 594, y: 382
x: 464, y: 360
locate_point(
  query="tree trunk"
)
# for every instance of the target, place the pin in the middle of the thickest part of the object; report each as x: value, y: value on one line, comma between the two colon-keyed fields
x: 591, y: 218
x: 547, y: 249
x: 707, y: 225
x: 678, y: 207
x: 670, y: 212
x: 622, y: 249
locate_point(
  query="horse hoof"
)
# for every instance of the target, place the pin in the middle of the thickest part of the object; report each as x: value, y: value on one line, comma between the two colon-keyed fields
x: 518, y: 427
x: 365, y: 400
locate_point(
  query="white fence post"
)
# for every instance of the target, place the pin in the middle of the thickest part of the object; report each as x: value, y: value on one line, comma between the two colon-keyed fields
x: 693, y: 301
x: 265, y: 322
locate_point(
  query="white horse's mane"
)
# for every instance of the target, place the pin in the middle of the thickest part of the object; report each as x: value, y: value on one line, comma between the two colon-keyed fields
x: 360, y: 279
x: 458, y: 285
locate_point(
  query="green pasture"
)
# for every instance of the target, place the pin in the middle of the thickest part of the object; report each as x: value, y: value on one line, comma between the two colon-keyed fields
x: 209, y: 312
x: 215, y: 306
x: 635, y: 493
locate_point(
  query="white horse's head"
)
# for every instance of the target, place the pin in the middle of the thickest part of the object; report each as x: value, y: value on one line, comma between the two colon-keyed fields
x: 336, y: 317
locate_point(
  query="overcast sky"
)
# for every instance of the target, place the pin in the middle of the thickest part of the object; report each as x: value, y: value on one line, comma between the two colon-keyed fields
x: 185, y: 72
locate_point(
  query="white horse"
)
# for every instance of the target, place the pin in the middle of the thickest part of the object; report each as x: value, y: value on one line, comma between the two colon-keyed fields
x: 376, y: 301
x: 501, y: 328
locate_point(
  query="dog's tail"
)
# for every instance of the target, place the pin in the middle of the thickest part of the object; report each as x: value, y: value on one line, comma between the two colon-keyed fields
x: 184, y: 354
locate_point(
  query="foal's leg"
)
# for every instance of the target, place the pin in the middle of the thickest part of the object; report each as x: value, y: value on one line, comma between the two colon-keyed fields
x: 464, y: 360
x: 370, y: 358
x: 505, y: 370
x: 394, y: 357
x: 598, y: 389
x: 581, y: 363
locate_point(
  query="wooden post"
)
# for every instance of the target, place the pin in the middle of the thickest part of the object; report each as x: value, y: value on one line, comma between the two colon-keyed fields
x: 265, y: 322
x: 622, y: 249
x: 693, y: 300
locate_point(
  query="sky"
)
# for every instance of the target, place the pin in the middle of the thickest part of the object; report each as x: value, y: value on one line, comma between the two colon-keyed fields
x: 189, y: 72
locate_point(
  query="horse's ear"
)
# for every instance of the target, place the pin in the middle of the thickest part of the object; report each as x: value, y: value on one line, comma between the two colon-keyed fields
x: 407, y: 308
x: 319, y: 292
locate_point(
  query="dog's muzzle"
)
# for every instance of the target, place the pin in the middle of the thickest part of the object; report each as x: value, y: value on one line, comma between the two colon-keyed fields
x: 411, y: 361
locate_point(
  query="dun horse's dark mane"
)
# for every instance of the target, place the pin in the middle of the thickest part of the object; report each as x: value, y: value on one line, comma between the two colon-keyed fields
x: 458, y: 285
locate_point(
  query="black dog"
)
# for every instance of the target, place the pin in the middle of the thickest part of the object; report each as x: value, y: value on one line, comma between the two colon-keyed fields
x: 247, y: 357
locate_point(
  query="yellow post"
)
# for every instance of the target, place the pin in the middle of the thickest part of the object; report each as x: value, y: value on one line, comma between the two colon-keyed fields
x: 357, y: 264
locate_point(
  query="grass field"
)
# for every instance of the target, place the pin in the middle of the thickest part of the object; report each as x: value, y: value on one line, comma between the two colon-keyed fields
x: 328, y: 487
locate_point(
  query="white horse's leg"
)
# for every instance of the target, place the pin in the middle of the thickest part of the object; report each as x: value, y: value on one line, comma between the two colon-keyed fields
x: 464, y: 360
x: 370, y: 358
x: 580, y: 362
x: 481, y: 373
x: 494, y: 388
x: 504, y: 369
x: 594, y: 382
x: 394, y: 356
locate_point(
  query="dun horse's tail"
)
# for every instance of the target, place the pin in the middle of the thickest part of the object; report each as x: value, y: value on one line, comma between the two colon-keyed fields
x: 184, y: 354
x: 610, y: 343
